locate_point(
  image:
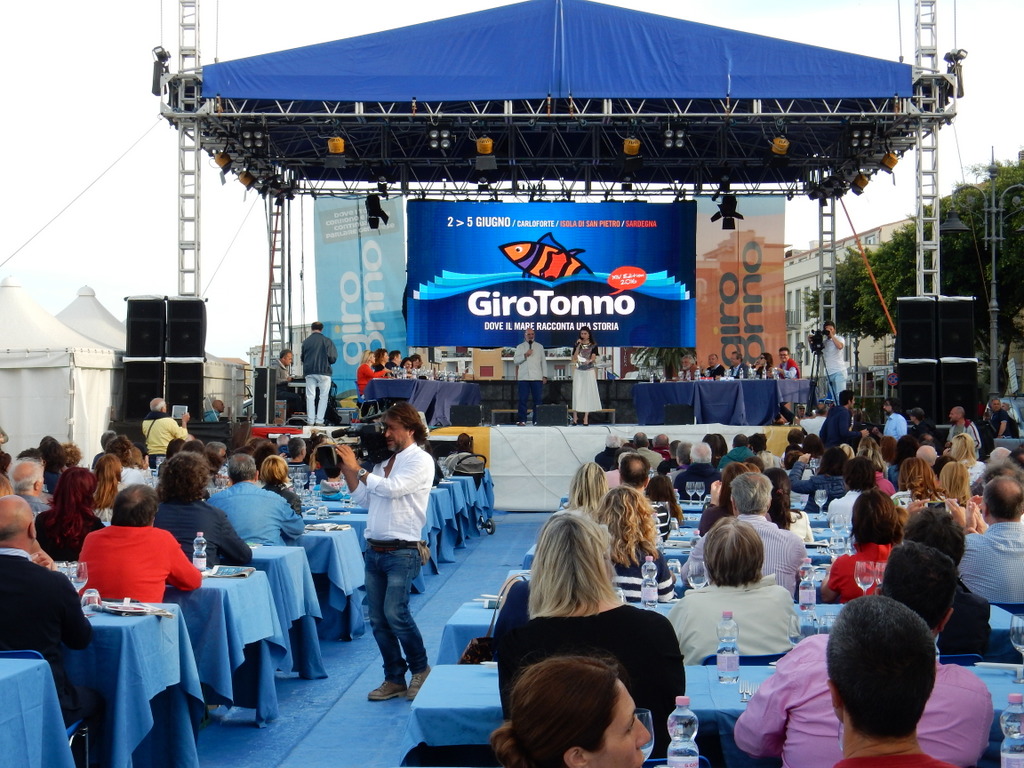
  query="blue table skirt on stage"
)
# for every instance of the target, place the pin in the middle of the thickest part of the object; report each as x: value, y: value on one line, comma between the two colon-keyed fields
x: 740, y: 402
x: 433, y: 398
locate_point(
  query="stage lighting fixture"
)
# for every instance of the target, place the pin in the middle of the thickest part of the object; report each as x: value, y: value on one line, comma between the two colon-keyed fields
x: 859, y: 183
x: 727, y: 212
x: 485, y: 160
x: 631, y: 147
x: 254, y: 138
x: 861, y: 137
x: 335, y: 153
x: 382, y: 186
x: 439, y: 138
x: 374, y: 212
x: 484, y: 145
x: 780, y: 146
x: 675, y: 137
x: 223, y: 160
x: 889, y: 160
x: 160, y: 59
x: 247, y: 180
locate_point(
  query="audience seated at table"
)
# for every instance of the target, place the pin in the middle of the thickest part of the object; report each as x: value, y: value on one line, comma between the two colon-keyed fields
x: 108, y: 483
x: 54, y: 461
x: 274, y: 474
x: 872, y: 451
x: 371, y: 367
x: 877, y: 528
x: 133, y: 469
x: 720, y: 501
x: 606, y: 458
x: 257, y: 515
x: 733, y: 557
x: 906, y: 448
x: 961, y: 448
x: 131, y: 558
x: 740, y: 451
x: 759, y: 445
x: 968, y: 629
x: 628, y: 516
x: 573, y: 609
x: 718, y: 446
x: 829, y: 478
x: 570, y: 712
x: 184, y: 511
x: 858, y: 476
x: 62, y: 528
x: 993, y: 562
x: 587, y: 488
x: 780, y: 510
x: 792, y: 714
x: 917, y: 482
x: 699, y: 470
x: 663, y: 498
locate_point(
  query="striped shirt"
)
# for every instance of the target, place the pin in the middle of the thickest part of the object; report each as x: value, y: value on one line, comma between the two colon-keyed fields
x: 629, y: 580
x: 993, y: 563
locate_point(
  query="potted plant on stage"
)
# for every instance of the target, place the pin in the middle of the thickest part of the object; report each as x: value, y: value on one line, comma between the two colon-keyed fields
x: 669, y: 359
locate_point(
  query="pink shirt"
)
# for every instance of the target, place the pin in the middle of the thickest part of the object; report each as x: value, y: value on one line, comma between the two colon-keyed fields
x: 792, y: 714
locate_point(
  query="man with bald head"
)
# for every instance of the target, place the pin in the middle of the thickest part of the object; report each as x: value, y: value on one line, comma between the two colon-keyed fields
x: 27, y: 481
x: 45, y: 604
x: 928, y: 454
x: 960, y: 423
x: 159, y: 428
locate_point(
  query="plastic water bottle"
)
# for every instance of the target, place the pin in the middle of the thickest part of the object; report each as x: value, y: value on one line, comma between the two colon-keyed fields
x: 649, y: 585
x: 1011, y: 753
x: 808, y: 599
x: 199, y: 551
x: 682, y: 729
x: 728, y: 658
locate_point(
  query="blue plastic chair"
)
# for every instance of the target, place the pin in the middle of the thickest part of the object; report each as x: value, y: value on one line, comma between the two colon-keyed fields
x: 762, y: 660
x: 960, y: 659
x: 77, y: 728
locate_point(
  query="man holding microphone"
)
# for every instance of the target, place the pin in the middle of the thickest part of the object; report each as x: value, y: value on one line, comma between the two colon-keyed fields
x: 529, y: 362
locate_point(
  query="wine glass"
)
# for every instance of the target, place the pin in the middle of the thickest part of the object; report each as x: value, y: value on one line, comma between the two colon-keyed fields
x: 814, y: 463
x: 696, y: 575
x: 643, y: 717
x: 690, y: 490
x: 79, y: 574
x: 820, y: 497
x: 879, y: 572
x: 1017, y: 639
x: 864, y: 575
x: 795, y: 635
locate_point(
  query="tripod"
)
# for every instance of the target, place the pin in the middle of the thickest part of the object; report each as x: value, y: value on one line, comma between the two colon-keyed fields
x: 822, y: 384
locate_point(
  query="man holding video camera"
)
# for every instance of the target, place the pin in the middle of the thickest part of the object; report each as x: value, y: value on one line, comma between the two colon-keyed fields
x: 395, y: 493
x: 832, y: 345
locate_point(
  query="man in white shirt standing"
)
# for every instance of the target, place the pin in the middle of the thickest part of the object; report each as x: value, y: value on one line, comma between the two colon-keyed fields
x: 395, y: 494
x: 529, y: 362
x: 834, y: 358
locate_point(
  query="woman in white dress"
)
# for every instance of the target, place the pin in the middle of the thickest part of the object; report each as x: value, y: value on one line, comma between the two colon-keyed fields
x: 585, y: 397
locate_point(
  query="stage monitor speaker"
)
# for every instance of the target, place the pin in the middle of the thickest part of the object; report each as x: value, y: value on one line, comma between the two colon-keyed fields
x: 264, y: 396
x: 552, y: 415
x: 679, y: 413
x: 146, y: 323
x: 465, y: 415
x: 185, y: 387
x: 959, y: 377
x: 186, y: 327
x: 143, y: 381
x: 956, y: 326
x: 915, y: 327
x: 918, y: 385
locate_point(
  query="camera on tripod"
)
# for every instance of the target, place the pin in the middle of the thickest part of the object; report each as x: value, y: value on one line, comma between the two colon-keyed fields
x: 366, y: 440
x: 817, y: 338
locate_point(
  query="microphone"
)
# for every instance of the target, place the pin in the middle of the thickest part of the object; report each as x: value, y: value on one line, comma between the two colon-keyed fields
x: 530, y: 342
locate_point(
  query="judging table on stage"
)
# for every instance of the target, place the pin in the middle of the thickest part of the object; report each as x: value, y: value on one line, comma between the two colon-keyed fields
x: 144, y: 668
x: 433, y: 398
x: 459, y: 706
x: 737, y: 402
x: 31, y: 726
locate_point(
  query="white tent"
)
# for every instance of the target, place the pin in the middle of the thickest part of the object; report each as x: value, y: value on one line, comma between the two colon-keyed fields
x: 53, y: 380
x: 90, y: 318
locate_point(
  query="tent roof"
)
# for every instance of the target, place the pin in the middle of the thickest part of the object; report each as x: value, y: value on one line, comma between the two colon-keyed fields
x: 559, y: 47
x: 92, y: 319
x: 30, y: 327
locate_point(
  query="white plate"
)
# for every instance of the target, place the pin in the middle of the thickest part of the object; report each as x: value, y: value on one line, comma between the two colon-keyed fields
x: 489, y: 664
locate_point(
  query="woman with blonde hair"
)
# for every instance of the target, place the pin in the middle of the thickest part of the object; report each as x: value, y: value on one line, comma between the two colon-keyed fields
x: 961, y: 448
x: 274, y: 474
x: 108, y: 483
x: 630, y: 521
x: 368, y: 368
x: 872, y: 451
x: 917, y: 483
x: 573, y: 609
x: 586, y: 489
x: 955, y: 480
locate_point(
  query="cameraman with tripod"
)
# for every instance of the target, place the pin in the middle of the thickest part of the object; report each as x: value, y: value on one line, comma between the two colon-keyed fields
x: 831, y: 350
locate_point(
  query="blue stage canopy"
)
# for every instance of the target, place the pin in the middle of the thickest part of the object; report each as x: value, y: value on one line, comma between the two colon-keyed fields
x: 560, y: 48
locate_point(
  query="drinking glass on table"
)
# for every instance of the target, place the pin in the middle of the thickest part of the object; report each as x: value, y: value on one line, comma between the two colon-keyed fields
x: 78, y: 572
x: 795, y: 634
x: 696, y: 575
x: 90, y: 601
x: 675, y: 568
x: 1017, y: 639
x: 820, y: 497
x: 643, y: 716
x: 879, y: 572
x: 814, y: 464
x: 864, y: 575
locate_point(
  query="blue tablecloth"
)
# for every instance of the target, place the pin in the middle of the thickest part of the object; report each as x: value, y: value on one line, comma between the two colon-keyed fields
x: 31, y: 727
x: 144, y: 669
x: 237, y: 639
x: 336, y: 561
x: 741, y: 402
x: 291, y: 582
x: 433, y: 398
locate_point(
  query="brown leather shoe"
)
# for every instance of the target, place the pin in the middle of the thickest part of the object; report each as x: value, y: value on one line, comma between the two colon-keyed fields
x: 416, y: 683
x: 387, y: 690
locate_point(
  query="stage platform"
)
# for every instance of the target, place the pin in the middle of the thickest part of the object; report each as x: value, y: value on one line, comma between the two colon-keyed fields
x: 532, y: 466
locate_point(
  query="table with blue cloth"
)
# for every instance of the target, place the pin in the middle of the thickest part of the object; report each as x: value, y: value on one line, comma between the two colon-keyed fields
x: 432, y: 398
x: 291, y: 583
x: 336, y: 562
x: 32, y: 733
x: 740, y: 402
x: 440, y: 532
x: 144, y: 668
x: 237, y: 640
x: 462, y: 490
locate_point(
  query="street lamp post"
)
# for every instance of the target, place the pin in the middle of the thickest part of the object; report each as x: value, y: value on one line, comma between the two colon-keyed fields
x: 995, y: 218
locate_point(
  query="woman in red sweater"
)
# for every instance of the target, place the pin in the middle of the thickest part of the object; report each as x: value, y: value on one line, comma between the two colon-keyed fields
x: 133, y: 559
x: 877, y: 528
x: 371, y: 368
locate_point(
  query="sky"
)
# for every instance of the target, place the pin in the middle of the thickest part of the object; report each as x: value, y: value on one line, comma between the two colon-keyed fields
x: 91, y: 190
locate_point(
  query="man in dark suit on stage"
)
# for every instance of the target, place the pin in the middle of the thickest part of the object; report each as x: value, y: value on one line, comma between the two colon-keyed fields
x: 42, y: 608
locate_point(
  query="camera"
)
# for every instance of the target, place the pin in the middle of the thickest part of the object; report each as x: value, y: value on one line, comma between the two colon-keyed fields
x: 366, y: 440
x: 816, y: 339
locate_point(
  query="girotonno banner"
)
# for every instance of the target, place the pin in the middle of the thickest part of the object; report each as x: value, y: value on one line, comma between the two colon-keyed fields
x: 360, y: 277
x: 480, y: 273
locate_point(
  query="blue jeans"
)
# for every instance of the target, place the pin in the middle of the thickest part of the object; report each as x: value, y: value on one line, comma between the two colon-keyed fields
x: 526, y: 390
x: 317, y: 383
x: 837, y: 382
x: 389, y: 576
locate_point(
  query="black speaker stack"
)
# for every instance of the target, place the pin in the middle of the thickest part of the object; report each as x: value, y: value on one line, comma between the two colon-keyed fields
x: 165, y: 353
x: 936, y: 365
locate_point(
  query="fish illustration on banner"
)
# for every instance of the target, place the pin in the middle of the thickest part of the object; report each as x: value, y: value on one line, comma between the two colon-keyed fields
x: 545, y: 258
